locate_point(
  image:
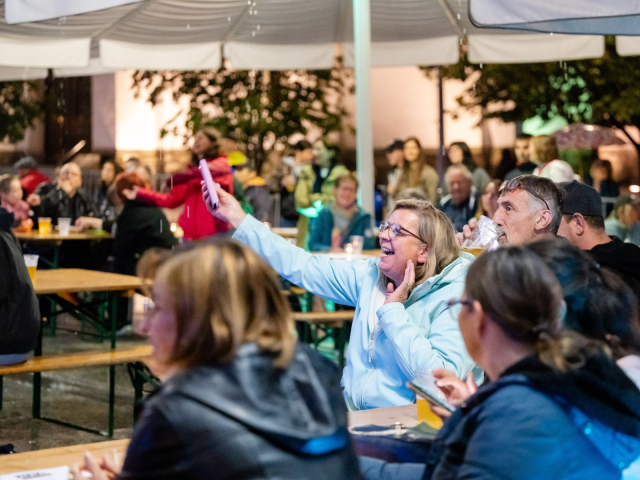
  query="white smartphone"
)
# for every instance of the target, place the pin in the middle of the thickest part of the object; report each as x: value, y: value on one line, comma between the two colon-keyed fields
x: 208, y: 181
x: 429, y: 397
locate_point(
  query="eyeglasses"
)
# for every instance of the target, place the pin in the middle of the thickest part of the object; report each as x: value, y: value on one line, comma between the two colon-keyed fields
x: 458, y: 301
x: 515, y: 183
x: 395, y: 229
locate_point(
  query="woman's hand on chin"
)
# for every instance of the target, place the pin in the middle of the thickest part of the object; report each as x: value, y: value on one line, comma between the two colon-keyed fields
x: 401, y: 293
x: 229, y: 210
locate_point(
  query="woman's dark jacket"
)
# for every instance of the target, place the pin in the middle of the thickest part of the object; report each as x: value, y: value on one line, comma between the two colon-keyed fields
x: 246, y: 420
x: 139, y: 227
x: 536, y: 423
x: 19, y: 311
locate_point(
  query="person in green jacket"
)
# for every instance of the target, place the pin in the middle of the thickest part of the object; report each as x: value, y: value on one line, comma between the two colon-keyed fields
x: 315, y: 187
x: 341, y: 219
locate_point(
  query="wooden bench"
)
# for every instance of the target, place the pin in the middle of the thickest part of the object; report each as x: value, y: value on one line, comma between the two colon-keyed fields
x: 332, y: 323
x: 111, y: 358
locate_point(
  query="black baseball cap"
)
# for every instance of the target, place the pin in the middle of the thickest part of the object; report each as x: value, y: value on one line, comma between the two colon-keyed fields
x: 581, y: 198
x: 395, y: 145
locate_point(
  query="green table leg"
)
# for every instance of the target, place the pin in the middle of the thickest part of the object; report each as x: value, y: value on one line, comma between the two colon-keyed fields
x: 113, y: 313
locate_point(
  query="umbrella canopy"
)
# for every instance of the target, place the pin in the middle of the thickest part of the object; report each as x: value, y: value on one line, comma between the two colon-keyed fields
x: 585, y: 17
x: 585, y: 137
x: 261, y: 34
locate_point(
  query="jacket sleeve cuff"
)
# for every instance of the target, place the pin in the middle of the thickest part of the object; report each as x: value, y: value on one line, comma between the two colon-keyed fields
x: 389, y: 307
x: 247, y: 225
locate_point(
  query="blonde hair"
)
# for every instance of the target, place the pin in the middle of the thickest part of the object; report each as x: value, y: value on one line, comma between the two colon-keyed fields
x: 436, y: 230
x: 544, y: 148
x: 222, y: 295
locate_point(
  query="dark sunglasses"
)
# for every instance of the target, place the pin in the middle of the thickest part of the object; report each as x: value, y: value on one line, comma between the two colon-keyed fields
x: 395, y: 229
x: 515, y: 184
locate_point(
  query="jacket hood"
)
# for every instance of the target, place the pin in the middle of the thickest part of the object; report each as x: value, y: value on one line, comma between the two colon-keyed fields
x: 456, y: 271
x: 217, y: 166
x: 290, y: 407
x: 7, y: 219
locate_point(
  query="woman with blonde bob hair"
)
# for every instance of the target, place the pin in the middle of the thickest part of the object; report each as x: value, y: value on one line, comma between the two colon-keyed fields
x: 401, y: 326
x: 240, y: 400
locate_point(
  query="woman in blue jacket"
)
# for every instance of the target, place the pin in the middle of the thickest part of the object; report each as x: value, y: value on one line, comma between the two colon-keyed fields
x: 557, y: 406
x: 341, y: 219
x: 401, y: 324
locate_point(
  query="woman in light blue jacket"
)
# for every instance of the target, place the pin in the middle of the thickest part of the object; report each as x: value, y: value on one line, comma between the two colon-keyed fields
x: 401, y: 325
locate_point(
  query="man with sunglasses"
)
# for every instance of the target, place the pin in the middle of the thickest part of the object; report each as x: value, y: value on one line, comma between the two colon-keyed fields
x: 529, y: 208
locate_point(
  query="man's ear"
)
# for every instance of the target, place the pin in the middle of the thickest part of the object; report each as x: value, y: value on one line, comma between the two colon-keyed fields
x: 545, y: 219
x: 580, y: 223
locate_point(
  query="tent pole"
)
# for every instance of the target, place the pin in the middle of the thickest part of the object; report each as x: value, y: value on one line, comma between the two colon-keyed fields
x: 440, y: 162
x: 364, y: 123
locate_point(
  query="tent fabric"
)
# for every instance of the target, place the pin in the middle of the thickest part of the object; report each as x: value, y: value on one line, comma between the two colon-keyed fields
x: 123, y: 55
x: 20, y: 11
x: 502, y: 48
x: 280, y: 34
x: 38, y: 52
x: 430, y: 51
x: 597, y: 17
x: 627, y: 46
x: 245, y: 56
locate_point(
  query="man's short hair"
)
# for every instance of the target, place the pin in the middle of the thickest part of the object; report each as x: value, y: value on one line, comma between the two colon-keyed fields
x: 523, y: 136
x: 395, y: 145
x: 302, y: 145
x: 459, y: 168
x: 595, y: 222
x: 547, y: 190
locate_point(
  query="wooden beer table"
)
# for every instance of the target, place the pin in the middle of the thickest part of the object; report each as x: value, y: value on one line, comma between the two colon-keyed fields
x: 58, y: 457
x: 54, y: 239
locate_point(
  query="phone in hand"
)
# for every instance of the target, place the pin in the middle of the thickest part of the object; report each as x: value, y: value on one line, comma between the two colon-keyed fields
x: 208, y: 181
x: 429, y: 397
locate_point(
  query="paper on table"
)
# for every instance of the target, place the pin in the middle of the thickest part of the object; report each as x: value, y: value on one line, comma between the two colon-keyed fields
x: 58, y: 473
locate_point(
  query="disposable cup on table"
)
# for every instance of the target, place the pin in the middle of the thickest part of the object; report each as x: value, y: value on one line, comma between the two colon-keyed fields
x: 64, y: 224
x: 427, y: 380
x: 32, y: 265
x: 44, y: 225
x: 357, y: 244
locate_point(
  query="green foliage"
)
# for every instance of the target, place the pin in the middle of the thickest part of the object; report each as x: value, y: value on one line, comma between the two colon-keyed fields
x: 20, y: 106
x: 255, y: 105
x: 602, y: 91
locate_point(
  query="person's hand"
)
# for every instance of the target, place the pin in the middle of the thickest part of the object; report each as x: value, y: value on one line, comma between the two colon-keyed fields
x: 66, y: 186
x: 89, y: 222
x: 34, y: 200
x: 107, y: 469
x: 288, y: 181
x: 454, y: 389
x: 131, y: 194
x: 401, y: 293
x: 467, y: 231
x: 391, y: 189
x: 336, y: 241
x: 229, y: 209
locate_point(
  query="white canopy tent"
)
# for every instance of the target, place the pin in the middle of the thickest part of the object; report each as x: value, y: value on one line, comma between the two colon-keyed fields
x: 583, y: 17
x: 85, y: 37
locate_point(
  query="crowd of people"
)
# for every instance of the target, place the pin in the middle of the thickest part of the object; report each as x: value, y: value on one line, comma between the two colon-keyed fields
x: 536, y: 344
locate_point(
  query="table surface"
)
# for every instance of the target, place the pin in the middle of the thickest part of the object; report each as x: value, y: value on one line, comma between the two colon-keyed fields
x: 57, y: 457
x: 34, y: 236
x: 73, y: 280
x: 287, y: 232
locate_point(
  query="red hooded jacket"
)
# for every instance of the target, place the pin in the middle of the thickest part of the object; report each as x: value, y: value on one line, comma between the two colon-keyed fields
x: 195, y: 220
x: 31, y: 181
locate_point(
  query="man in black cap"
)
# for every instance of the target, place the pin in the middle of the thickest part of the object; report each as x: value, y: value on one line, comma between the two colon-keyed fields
x: 582, y: 224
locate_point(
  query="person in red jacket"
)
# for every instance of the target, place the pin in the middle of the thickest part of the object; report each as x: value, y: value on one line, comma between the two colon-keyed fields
x: 30, y: 177
x: 195, y: 220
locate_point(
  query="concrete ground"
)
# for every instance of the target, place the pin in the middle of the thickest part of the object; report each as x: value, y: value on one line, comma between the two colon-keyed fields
x: 79, y: 396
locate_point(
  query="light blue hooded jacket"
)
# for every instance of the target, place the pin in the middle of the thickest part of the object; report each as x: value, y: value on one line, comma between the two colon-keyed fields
x: 389, y: 344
